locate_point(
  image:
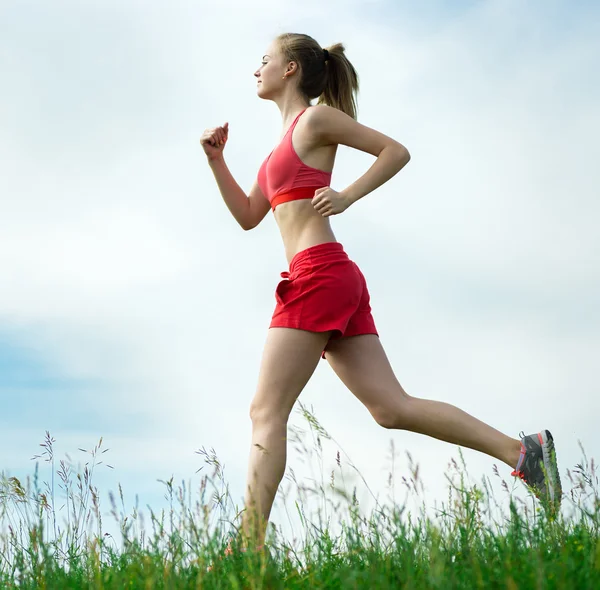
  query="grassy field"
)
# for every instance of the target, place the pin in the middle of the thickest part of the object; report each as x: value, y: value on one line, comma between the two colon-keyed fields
x: 469, y: 543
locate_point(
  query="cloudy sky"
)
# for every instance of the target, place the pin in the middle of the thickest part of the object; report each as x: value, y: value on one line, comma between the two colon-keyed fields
x: 134, y: 308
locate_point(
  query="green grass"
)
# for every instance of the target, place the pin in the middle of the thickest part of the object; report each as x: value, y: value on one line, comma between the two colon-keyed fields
x: 473, y: 540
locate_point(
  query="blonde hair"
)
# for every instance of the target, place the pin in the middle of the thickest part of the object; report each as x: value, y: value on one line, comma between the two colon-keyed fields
x: 334, y: 82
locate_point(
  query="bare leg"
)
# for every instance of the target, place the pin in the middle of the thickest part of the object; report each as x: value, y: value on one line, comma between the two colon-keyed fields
x: 362, y: 365
x: 289, y: 359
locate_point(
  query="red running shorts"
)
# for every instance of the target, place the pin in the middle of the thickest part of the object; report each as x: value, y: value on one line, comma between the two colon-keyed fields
x: 324, y: 290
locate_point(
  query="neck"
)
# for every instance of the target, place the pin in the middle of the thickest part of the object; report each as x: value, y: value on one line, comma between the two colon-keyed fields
x: 290, y: 104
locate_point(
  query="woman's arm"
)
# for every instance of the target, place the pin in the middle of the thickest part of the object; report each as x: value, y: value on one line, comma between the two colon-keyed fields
x: 248, y: 211
x: 332, y: 126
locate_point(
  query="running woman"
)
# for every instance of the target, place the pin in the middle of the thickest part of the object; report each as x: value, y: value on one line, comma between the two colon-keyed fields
x: 322, y: 304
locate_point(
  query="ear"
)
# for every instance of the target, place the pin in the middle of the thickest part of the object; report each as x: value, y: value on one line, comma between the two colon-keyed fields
x: 292, y: 67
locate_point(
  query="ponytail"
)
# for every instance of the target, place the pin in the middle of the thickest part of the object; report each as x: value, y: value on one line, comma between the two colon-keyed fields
x: 341, y: 86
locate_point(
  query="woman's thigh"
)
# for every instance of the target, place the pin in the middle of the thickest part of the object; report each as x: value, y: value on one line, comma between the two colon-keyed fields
x: 289, y: 359
x: 362, y: 365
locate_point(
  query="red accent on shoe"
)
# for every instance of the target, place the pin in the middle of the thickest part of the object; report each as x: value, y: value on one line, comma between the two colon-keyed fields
x: 229, y: 551
x: 520, y: 461
x: 522, y: 476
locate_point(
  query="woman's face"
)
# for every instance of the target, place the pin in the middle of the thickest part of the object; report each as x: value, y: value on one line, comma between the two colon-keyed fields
x: 269, y: 75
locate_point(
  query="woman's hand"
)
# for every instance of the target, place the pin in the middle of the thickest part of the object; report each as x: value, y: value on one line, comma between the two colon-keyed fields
x: 329, y: 202
x: 213, y: 141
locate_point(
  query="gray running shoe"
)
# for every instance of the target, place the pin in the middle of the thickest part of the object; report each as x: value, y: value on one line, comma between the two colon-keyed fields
x: 538, y: 468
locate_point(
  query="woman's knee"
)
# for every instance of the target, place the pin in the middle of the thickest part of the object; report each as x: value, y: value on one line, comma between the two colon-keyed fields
x: 262, y: 413
x: 395, y: 416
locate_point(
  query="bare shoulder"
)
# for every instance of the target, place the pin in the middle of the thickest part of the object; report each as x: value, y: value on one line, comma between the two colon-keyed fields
x: 329, y: 125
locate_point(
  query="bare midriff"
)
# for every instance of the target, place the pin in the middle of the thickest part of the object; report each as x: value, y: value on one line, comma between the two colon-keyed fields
x: 301, y: 226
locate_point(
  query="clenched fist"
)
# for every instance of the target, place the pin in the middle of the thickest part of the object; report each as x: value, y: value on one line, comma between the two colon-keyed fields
x: 213, y: 141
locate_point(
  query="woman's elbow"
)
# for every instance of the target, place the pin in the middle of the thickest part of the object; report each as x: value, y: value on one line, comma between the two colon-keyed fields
x: 398, y: 154
x: 403, y: 155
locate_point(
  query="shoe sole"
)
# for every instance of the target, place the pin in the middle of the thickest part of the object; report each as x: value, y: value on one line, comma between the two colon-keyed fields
x: 550, y: 466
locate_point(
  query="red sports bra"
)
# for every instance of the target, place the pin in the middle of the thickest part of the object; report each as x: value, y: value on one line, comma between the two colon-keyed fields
x: 284, y: 177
